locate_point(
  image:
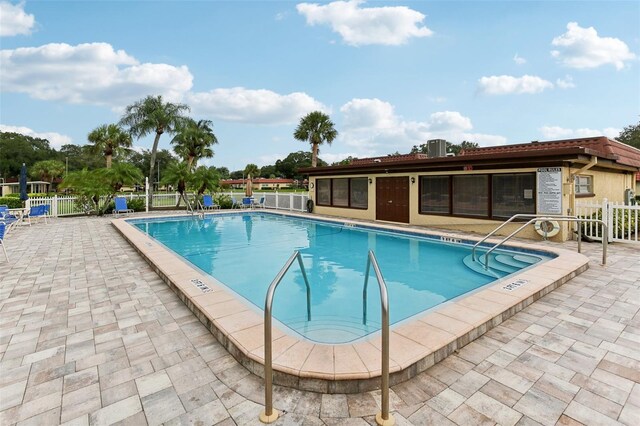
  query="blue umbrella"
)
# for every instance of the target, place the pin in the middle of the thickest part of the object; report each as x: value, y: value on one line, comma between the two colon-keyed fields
x: 23, y: 183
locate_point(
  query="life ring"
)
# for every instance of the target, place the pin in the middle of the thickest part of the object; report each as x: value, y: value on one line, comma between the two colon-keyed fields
x: 547, y: 228
x: 309, y: 205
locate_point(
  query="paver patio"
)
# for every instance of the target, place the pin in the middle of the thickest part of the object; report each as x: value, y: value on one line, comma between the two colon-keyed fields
x: 89, y: 334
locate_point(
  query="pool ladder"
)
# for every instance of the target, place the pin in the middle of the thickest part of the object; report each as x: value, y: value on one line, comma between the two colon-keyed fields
x: 269, y: 415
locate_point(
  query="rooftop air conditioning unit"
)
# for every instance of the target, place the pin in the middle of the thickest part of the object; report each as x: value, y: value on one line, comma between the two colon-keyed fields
x: 437, y: 148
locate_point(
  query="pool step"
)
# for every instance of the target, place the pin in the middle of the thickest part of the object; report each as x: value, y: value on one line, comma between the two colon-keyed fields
x: 500, y: 265
x: 325, y: 327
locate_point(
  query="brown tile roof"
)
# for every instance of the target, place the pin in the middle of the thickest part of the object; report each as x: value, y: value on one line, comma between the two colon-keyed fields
x: 389, y: 158
x: 600, y: 146
x: 255, y: 181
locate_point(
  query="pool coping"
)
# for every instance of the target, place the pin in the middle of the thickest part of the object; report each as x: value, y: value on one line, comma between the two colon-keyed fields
x: 415, y: 344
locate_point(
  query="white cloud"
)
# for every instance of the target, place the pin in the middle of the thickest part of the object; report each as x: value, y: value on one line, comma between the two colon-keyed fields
x: 583, y: 48
x: 557, y: 132
x: 519, y: 60
x: 55, y: 139
x: 253, y: 106
x: 371, y: 127
x: 14, y: 20
x: 91, y: 73
x: 506, y: 84
x: 388, y: 25
x: 566, y: 82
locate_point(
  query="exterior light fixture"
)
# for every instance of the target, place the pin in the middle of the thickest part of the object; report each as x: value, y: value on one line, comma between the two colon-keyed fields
x: 413, y: 180
x: 370, y: 181
x: 311, y: 185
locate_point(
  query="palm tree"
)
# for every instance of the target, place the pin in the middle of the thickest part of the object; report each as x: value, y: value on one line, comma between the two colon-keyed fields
x: 109, y: 139
x: 177, y: 174
x: 47, y: 170
x: 193, y: 141
x: 205, y: 178
x: 149, y: 115
x: 315, y: 128
x: 252, y: 170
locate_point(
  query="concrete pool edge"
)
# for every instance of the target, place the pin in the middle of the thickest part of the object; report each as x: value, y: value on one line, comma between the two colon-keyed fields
x: 416, y: 344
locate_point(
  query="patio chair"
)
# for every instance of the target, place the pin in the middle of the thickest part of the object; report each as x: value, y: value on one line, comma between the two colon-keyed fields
x: 259, y: 204
x: 247, y: 202
x: 37, y: 212
x: 235, y: 204
x: 121, y: 206
x: 208, y: 203
x: 8, y: 219
x: 3, y: 227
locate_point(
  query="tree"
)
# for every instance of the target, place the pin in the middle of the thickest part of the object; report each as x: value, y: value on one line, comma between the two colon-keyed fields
x: 251, y: 170
x: 193, y: 141
x: 288, y: 167
x: 205, y: 179
x: 236, y: 174
x: 178, y: 174
x: 344, y: 162
x: 223, y: 172
x: 268, y: 172
x: 47, y: 170
x: 91, y: 185
x: 630, y: 135
x: 142, y: 160
x: 315, y: 128
x: 16, y: 149
x: 79, y: 157
x: 153, y: 115
x: 109, y: 139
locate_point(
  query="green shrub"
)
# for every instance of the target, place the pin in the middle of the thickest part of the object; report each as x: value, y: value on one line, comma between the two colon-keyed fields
x: 12, y: 202
x: 14, y: 195
x: 224, y: 201
x: 621, y: 220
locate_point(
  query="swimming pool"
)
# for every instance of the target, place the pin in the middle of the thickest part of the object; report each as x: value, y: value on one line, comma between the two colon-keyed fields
x: 244, y: 251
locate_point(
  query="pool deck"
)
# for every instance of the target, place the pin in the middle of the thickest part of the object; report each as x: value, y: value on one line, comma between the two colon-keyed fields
x: 90, y: 334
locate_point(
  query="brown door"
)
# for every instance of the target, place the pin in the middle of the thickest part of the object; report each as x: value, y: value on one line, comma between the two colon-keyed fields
x: 392, y: 199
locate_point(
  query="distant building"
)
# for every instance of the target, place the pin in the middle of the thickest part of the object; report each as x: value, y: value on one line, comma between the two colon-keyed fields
x: 13, y: 187
x: 259, y: 183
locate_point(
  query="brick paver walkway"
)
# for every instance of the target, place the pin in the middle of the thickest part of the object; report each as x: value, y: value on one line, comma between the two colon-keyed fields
x: 89, y: 335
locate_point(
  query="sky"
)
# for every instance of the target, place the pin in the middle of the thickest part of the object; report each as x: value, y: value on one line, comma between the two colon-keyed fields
x: 390, y: 74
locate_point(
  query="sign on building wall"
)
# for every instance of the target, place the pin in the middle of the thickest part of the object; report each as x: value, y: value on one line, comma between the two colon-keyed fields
x: 549, y: 190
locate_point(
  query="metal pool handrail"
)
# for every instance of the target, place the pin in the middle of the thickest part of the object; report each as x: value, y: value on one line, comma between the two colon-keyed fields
x: 503, y: 224
x: 383, y: 417
x: 561, y: 219
x: 269, y: 415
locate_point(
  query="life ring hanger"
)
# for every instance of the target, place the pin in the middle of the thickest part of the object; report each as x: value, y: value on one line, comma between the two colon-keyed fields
x: 547, y: 228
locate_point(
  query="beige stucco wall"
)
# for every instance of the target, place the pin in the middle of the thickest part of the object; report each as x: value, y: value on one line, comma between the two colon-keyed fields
x: 608, y: 185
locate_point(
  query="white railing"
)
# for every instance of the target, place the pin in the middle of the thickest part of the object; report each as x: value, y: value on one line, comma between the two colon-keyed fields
x: 623, y: 222
x: 65, y: 205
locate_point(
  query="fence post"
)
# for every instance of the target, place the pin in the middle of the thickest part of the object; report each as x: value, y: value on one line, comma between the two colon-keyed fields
x: 146, y: 194
x: 607, y: 216
x: 291, y: 201
x: 54, y: 205
x: 277, y: 200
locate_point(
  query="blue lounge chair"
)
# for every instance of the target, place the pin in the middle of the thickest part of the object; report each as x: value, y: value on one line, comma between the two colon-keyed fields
x: 208, y: 203
x: 8, y: 219
x: 247, y: 202
x: 121, y: 206
x: 3, y: 226
x: 37, y: 212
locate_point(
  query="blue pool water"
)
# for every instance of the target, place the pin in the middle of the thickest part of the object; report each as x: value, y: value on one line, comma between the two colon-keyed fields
x: 245, y: 251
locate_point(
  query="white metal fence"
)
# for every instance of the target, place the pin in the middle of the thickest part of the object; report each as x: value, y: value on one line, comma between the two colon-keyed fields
x: 67, y: 206
x: 623, y: 222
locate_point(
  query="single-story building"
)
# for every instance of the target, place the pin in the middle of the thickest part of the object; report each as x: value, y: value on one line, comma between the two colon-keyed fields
x: 480, y: 188
x: 259, y: 183
x: 33, y: 187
